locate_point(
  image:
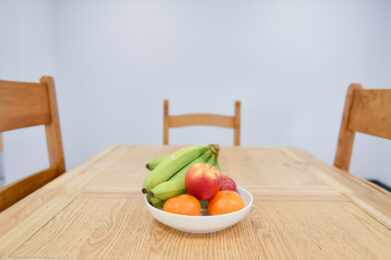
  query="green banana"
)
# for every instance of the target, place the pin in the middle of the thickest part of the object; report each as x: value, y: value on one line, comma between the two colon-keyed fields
x: 155, y: 162
x: 157, y: 203
x: 168, y: 189
x: 154, y: 201
x: 176, y: 185
x: 171, y: 165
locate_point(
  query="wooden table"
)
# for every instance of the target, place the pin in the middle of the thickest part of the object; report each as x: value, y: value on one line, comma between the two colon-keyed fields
x: 304, y: 208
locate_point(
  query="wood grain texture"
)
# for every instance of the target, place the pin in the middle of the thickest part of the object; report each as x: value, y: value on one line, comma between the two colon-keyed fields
x: 367, y: 111
x: 70, y: 183
x: 270, y: 164
x: 14, y: 192
x: 273, y: 230
x: 303, y: 209
x: 371, y: 112
x: 14, y: 237
x: 201, y: 120
x: 379, y: 201
x: 24, y: 104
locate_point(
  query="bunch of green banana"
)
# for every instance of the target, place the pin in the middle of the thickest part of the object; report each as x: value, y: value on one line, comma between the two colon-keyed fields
x: 167, y: 176
x: 169, y: 166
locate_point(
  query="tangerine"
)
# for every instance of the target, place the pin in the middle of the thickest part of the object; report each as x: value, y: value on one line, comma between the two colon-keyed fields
x: 184, y: 204
x: 226, y: 201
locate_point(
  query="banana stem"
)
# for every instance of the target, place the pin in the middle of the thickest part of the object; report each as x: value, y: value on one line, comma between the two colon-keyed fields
x: 216, y: 147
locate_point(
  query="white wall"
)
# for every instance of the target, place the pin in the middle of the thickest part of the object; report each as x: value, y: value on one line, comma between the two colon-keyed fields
x: 289, y: 62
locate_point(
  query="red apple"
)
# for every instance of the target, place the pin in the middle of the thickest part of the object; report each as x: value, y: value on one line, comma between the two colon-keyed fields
x: 228, y: 184
x: 203, y: 181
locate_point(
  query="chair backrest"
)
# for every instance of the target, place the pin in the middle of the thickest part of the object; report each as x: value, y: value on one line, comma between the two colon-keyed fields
x: 203, y: 120
x: 366, y: 111
x: 24, y: 104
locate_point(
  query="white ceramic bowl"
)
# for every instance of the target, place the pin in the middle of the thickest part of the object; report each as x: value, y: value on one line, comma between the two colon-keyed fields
x: 202, y: 224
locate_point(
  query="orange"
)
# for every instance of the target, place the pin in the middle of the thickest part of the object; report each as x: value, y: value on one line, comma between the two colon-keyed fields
x: 226, y: 201
x: 184, y: 204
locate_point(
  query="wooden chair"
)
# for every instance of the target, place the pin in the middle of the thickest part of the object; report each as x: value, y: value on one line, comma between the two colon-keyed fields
x: 204, y: 120
x: 24, y: 104
x: 366, y: 111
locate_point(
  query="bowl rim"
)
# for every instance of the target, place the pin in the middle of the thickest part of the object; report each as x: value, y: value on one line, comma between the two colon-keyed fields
x: 204, y: 217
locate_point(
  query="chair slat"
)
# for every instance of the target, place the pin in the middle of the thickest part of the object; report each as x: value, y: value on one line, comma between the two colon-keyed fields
x: 201, y: 119
x: 371, y: 112
x: 23, y: 105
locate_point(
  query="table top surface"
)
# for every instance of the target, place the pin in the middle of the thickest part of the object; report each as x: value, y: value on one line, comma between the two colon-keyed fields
x: 303, y: 208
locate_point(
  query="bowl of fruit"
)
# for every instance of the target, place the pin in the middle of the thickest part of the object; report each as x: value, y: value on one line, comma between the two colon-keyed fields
x: 187, y: 191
